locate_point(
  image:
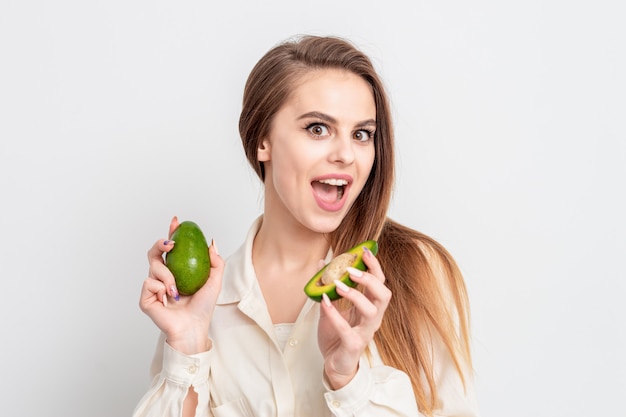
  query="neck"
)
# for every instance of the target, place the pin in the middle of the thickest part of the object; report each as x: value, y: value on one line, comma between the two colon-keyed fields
x: 285, y: 256
x: 288, y: 244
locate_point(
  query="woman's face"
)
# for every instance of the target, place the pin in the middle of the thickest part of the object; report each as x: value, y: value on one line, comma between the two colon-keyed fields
x: 320, y: 150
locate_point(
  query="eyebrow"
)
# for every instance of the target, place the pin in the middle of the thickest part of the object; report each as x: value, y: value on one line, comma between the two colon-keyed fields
x: 330, y: 119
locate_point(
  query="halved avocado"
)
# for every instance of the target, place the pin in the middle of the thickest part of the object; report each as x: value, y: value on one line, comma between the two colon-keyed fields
x: 323, y: 281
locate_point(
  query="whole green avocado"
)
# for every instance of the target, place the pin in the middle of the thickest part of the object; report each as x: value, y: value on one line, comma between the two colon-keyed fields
x: 189, y: 260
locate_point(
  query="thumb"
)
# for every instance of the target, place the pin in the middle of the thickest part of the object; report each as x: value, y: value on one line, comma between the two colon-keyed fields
x: 214, y: 283
x: 173, y: 225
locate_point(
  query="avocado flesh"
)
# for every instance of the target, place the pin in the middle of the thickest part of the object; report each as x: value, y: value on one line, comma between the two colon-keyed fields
x: 189, y: 260
x: 323, y: 281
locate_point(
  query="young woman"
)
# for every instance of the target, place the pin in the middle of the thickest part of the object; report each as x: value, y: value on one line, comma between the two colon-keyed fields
x: 316, y: 128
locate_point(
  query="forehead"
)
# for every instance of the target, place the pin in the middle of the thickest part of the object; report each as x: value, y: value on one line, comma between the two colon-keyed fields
x: 334, y: 91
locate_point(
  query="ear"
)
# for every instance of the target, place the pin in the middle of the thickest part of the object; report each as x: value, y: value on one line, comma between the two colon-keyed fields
x: 263, y: 152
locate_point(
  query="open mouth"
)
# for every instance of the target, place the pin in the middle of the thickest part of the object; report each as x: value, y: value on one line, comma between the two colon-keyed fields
x: 330, y: 190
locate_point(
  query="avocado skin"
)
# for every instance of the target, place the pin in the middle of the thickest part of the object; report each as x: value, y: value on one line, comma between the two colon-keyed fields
x: 315, y: 291
x: 189, y: 259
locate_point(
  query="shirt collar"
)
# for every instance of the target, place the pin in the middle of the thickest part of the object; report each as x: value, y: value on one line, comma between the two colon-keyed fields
x: 239, y: 275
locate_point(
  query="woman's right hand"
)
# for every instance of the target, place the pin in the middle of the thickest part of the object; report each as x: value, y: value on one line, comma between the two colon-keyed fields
x: 184, y: 320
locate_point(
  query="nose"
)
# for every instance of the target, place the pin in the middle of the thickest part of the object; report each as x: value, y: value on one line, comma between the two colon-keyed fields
x: 342, y: 151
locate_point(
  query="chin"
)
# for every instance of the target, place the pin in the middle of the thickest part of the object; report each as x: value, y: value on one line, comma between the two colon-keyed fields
x: 325, y: 226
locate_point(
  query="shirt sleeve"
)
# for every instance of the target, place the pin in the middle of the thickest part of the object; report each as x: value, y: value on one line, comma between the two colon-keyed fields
x: 455, y: 396
x: 374, y: 391
x: 173, y: 373
x: 380, y: 390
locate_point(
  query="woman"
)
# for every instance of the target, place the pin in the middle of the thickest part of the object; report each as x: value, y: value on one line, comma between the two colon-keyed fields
x: 316, y: 128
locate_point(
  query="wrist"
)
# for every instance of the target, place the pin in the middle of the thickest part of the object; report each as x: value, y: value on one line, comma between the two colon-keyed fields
x: 337, y: 380
x: 191, y: 343
x: 188, y: 347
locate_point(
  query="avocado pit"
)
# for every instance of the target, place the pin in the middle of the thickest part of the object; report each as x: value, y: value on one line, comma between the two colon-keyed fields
x: 337, y: 267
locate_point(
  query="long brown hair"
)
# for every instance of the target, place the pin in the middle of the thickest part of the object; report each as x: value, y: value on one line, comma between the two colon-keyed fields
x: 414, y: 264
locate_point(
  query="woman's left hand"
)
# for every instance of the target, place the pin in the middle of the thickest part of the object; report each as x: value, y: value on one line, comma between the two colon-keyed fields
x: 344, y: 335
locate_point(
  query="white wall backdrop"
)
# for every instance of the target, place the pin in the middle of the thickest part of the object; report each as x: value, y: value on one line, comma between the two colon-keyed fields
x: 117, y: 115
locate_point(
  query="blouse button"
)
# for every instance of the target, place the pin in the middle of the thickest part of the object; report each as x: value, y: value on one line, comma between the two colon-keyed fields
x: 192, y: 369
x: 293, y: 342
x: 336, y: 404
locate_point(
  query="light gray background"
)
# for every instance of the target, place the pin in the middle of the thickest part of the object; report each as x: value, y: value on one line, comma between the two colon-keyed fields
x: 117, y: 115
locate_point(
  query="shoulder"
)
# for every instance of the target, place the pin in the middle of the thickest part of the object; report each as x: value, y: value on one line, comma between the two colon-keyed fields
x: 406, y: 251
x: 403, y: 241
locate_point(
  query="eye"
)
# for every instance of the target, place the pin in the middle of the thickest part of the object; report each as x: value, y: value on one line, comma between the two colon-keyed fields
x: 318, y: 129
x: 364, y: 135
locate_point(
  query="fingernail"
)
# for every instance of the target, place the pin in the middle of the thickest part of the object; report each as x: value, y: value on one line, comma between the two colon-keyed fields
x: 168, y: 242
x: 343, y: 287
x: 354, y: 272
x: 326, y: 300
x: 367, y: 250
x: 214, y: 246
x: 174, y: 293
x: 164, y: 300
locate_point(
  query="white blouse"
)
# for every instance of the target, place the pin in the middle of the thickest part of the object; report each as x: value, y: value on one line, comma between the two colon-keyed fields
x: 256, y: 369
x: 282, y: 330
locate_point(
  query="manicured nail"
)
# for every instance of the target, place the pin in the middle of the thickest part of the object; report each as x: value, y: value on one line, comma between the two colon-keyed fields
x: 214, y: 246
x: 174, y: 293
x: 326, y: 300
x: 343, y: 287
x: 168, y: 242
x: 354, y: 272
x: 367, y: 250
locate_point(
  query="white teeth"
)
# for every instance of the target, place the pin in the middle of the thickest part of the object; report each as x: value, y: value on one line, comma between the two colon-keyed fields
x: 334, y: 181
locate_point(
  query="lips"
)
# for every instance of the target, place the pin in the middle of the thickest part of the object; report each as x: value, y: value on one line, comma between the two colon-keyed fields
x: 330, y: 191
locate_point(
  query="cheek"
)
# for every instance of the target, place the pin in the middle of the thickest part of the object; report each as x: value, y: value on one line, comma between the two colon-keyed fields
x: 365, y: 162
x: 368, y: 162
x: 286, y: 168
x: 283, y: 161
